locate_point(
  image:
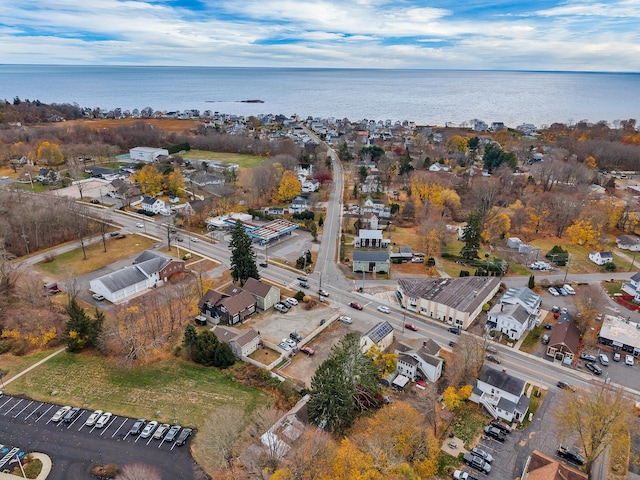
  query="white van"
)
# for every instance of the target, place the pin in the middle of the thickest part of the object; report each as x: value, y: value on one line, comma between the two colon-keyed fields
x: 604, y: 360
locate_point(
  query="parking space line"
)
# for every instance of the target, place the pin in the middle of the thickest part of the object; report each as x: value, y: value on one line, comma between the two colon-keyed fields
x: 137, y: 438
x: 76, y: 419
x: 121, y: 425
x: 34, y: 411
x: 26, y: 406
x: 110, y: 423
x: 8, y: 400
x: 161, y: 442
x: 44, y: 413
x: 173, y: 446
x: 150, y: 438
x: 19, y: 402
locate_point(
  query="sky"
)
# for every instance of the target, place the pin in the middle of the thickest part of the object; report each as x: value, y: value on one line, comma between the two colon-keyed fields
x: 570, y: 35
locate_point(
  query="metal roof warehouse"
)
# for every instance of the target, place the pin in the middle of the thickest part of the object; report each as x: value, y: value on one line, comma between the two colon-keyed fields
x: 622, y: 333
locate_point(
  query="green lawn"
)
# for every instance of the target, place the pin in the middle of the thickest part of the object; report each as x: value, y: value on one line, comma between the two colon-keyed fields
x: 97, y: 258
x: 178, y: 390
x: 245, y: 161
x: 468, y: 423
x: 14, y: 364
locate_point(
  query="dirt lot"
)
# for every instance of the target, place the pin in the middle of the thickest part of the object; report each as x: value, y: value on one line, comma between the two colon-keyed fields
x: 167, y: 124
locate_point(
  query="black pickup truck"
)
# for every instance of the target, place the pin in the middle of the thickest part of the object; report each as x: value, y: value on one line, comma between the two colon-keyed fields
x: 477, y: 462
x: 570, y: 455
x: 495, y: 433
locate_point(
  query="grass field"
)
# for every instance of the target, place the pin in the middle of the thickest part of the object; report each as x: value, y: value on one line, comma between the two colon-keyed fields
x: 179, y: 391
x: 97, y: 258
x: 14, y: 365
x: 245, y: 161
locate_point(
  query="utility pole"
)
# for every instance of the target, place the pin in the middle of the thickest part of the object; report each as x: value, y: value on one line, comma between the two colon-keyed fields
x: 566, y: 272
x: 633, y: 260
x: 320, y: 287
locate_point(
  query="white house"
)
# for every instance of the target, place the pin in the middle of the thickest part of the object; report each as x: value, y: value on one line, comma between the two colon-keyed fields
x: 424, y: 362
x: 370, y: 239
x: 150, y: 269
x: 628, y: 242
x: 154, y: 205
x: 512, y: 320
x: 242, y: 342
x: 600, y: 258
x: 310, y: 186
x: 299, y: 204
x: 381, y: 334
x: 439, y: 167
x: 501, y: 394
x: 632, y: 287
x: 147, y: 154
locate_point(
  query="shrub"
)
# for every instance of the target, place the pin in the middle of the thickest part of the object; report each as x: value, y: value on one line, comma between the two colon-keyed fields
x: 610, y: 267
x: 33, y: 468
x: 464, y: 273
x: 49, y: 257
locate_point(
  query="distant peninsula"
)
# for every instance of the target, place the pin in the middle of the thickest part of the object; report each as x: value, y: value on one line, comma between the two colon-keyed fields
x: 237, y: 101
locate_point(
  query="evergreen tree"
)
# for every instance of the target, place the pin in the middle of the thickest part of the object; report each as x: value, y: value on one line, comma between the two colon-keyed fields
x: 80, y: 329
x: 190, y: 339
x: 532, y: 282
x: 320, y: 221
x: 243, y: 257
x: 223, y: 356
x: 205, y: 348
x: 471, y: 236
x: 343, y: 153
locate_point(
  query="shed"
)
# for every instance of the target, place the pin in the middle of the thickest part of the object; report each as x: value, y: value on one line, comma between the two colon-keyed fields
x: 514, y: 242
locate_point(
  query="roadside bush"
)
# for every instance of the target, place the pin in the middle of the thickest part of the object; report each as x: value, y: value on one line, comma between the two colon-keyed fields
x: 464, y: 273
x: 610, y: 267
x: 49, y: 257
x: 299, y: 295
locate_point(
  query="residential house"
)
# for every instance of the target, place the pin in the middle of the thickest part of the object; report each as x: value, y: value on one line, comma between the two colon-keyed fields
x: 153, y: 205
x: 203, y: 179
x: 372, y: 184
x: 632, y: 287
x: 381, y: 334
x: 404, y: 253
x: 309, y: 186
x: 369, y: 221
x: 501, y: 394
x: 564, y: 342
x: 242, y: 342
x: 299, y: 204
x: 48, y: 175
x: 230, y: 307
x: 628, y: 242
x: 371, y: 262
x: 198, y: 207
x: 266, y: 296
x: 150, y: 269
x: 601, y: 258
x: 370, y: 239
x: 543, y: 467
x: 455, y: 301
x: 439, y: 167
x: 512, y: 320
x: 422, y: 363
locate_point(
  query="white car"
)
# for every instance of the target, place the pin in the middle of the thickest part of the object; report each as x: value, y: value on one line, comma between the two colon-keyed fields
x: 569, y: 289
x: 384, y: 309
x: 104, y: 419
x: 284, y: 346
x: 194, y: 240
x: 292, y: 301
x: 93, y: 418
x: 554, y: 292
x: 148, y: 430
x: 290, y: 342
x: 59, y: 415
x: 140, y: 225
x: 628, y: 360
x: 345, y: 319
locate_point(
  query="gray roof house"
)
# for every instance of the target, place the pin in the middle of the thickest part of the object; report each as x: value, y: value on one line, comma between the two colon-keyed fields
x: 600, y: 258
x: 380, y: 334
x: 299, y: 204
x: 424, y: 362
x: 372, y: 262
x: 512, y: 320
x: 266, y: 295
x: 242, y: 342
x: 150, y: 269
x: 501, y: 394
x: 632, y: 287
x: 523, y: 296
x: 628, y: 242
x: 151, y: 204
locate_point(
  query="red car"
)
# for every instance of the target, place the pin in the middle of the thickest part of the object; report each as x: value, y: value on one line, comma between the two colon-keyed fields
x: 355, y: 305
x: 307, y: 350
x: 410, y: 326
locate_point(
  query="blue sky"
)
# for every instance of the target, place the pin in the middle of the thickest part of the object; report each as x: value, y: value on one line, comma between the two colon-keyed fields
x: 578, y: 35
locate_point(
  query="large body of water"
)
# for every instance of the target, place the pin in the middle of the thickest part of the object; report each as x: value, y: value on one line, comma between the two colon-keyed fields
x: 428, y: 97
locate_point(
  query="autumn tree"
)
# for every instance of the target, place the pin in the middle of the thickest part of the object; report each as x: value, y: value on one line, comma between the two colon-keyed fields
x: 386, y: 362
x: 290, y: 187
x: 469, y: 356
x: 453, y: 398
x: 243, y: 256
x: 219, y: 436
x: 150, y: 180
x: 588, y: 303
x: 585, y: 232
x: 497, y: 228
x: 173, y: 183
x: 312, y: 457
x: 49, y: 154
x: 457, y: 144
x: 591, y: 417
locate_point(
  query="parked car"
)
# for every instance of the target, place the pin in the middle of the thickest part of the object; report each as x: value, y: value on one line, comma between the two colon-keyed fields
x: 562, y: 291
x: 628, y: 360
x: 482, y: 454
x: 455, y: 330
x: 604, y: 360
x: 571, y: 455
x: 493, y: 358
x: 564, y: 311
x: 569, y: 289
x: 384, y: 309
x: 304, y: 284
x: 292, y: 301
x: 71, y: 415
x: 545, y: 339
x: 555, y: 309
x: 307, y: 350
x: 588, y: 357
x: 285, y: 346
x: 476, y: 462
x: 566, y: 386
x: 184, y: 435
x: 104, y: 419
x: 59, y: 415
x: 295, y: 336
x: 149, y: 429
x: 355, y: 305
x: 460, y: 475
x: 547, y: 326
x: 616, y: 357
x: 501, y: 426
x: 284, y: 305
x: 137, y: 426
x: 93, y: 418
x: 554, y: 292
x: 495, y: 433
x: 290, y: 342
x: 594, y: 368
x: 323, y: 293
x: 417, y: 260
x: 161, y: 431
x: 345, y: 319
x: 98, y: 297
x: 491, y: 349
x: 411, y: 326
x: 172, y: 433
x: 452, y: 344
x: 281, y: 308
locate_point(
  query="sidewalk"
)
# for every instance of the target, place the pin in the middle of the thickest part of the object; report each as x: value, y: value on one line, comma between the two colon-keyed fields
x: 37, y: 364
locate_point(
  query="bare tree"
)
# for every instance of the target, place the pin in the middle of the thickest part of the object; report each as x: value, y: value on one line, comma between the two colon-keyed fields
x: 220, y: 435
x: 589, y: 298
x: 139, y: 471
x: 590, y: 418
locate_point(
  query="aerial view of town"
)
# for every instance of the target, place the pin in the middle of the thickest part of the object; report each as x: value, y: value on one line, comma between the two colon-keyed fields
x: 202, y: 295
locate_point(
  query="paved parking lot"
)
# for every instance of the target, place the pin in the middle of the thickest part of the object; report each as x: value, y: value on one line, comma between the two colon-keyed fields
x: 74, y: 448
